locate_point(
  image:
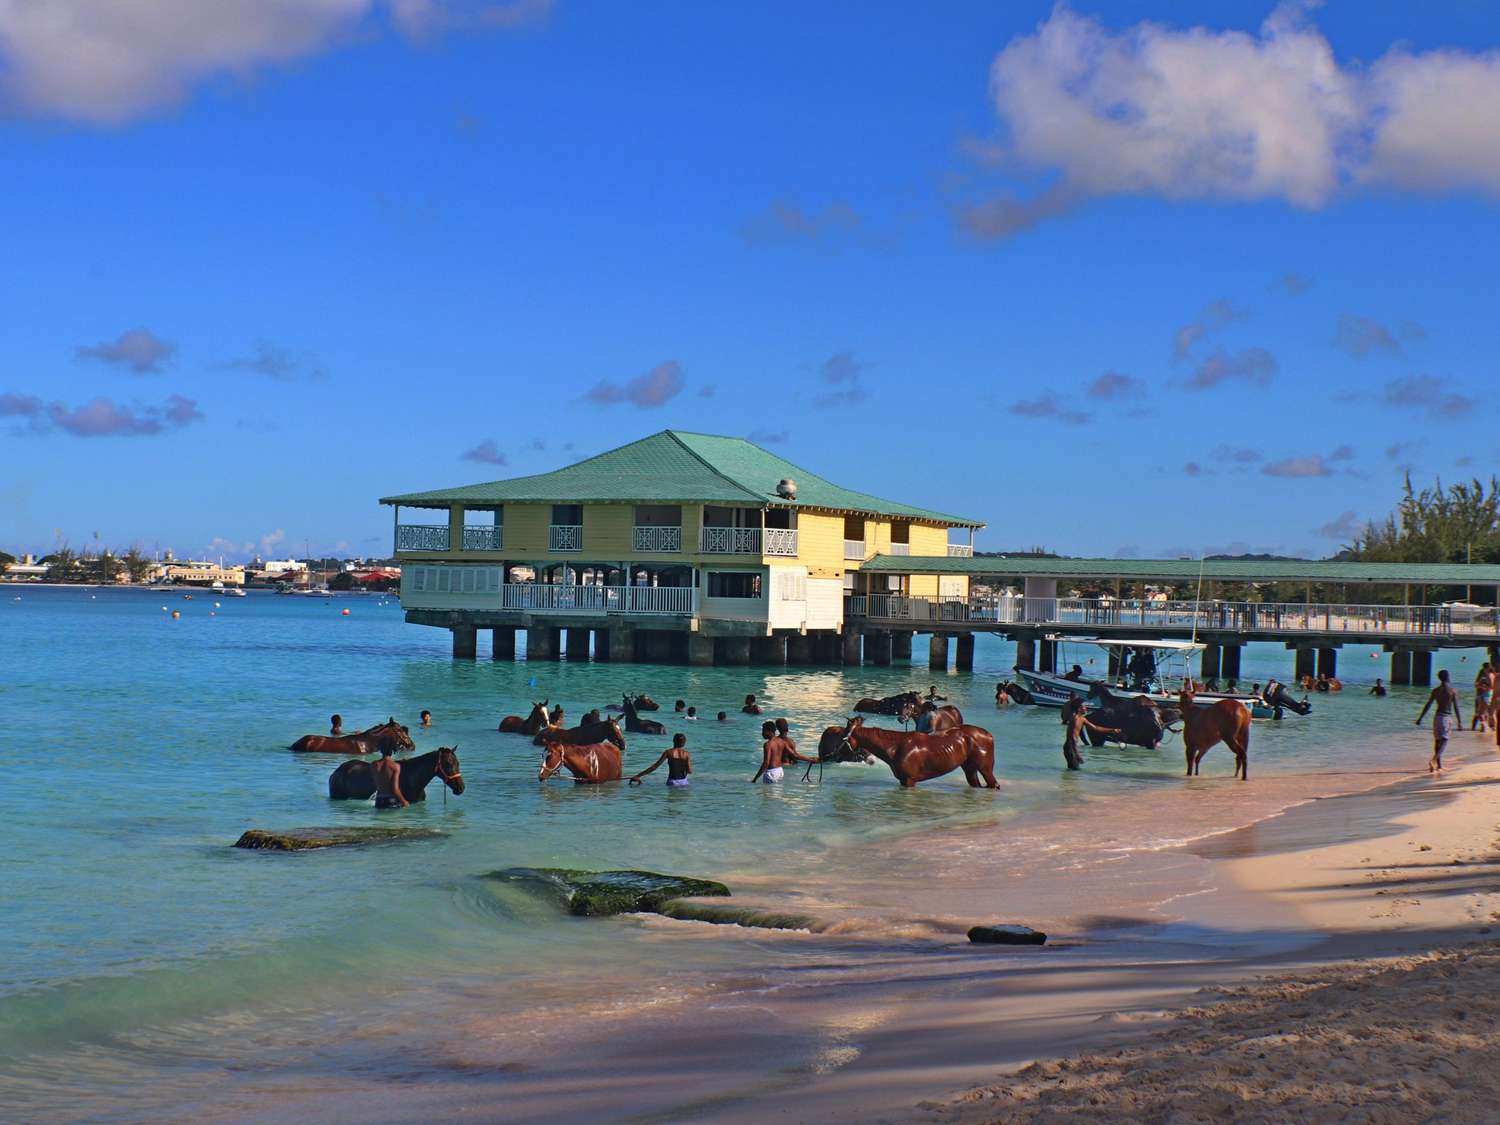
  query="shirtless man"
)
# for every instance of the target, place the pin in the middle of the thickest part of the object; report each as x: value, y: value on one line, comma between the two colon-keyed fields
x: 1075, y: 718
x: 1442, y: 722
x: 933, y: 697
x: 337, y: 723
x: 784, y: 730
x: 679, y: 764
x: 426, y: 718
x: 776, y: 750
x: 751, y: 707
x: 388, y: 781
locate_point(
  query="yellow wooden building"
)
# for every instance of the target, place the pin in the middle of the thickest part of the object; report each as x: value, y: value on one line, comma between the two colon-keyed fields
x: 675, y: 547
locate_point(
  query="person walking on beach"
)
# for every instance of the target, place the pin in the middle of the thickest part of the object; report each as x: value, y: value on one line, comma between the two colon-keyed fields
x: 679, y: 764
x: 1075, y: 718
x: 388, y: 781
x: 1447, y: 714
x: 337, y: 723
x: 773, y: 753
x: 1484, y: 694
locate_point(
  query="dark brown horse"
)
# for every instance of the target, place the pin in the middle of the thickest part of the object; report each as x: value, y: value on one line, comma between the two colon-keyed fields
x: 607, y: 730
x: 634, y: 724
x: 935, y: 720
x: 1227, y: 721
x: 355, y: 781
x: 372, y: 741
x: 833, y: 748
x: 905, y: 706
x: 533, y: 723
x: 589, y: 765
x: 643, y: 702
x: 915, y: 757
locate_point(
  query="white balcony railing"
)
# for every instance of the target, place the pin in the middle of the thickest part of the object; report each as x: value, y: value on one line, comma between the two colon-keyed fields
x: 729, y: 541
x: 656, y: 540
x: 854, y: 549
x: 960, y: 551
x: 421, y: 537
x: 599, y: 599
x: 781, y: 542
x: 484, y: 538
x: 900, y: 548
x: 565, y: 537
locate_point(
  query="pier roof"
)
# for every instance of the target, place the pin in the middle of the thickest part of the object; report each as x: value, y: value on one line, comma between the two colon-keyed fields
x: 1182, y: 570
x: 678, y: 466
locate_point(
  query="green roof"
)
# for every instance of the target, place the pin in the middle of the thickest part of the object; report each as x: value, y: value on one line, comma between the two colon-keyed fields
x: 1179, y: 570
x: 676, y: 466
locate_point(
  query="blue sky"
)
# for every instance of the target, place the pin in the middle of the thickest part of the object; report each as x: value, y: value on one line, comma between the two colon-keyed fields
x: 1130, y: 278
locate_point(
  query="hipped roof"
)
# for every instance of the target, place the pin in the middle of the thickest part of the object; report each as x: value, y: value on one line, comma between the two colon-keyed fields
x: 673, y: 466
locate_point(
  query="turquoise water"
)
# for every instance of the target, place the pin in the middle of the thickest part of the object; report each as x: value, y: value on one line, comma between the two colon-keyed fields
x: 138, y: 947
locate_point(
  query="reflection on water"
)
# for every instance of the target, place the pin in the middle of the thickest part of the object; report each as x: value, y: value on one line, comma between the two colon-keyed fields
x: 141, y: 951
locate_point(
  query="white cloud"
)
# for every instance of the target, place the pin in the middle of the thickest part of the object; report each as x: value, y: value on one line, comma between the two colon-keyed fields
x: 1227, y: 115
x: 106, y: 62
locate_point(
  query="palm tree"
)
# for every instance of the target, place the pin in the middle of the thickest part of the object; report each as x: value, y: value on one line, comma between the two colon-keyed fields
x: 137, y: 564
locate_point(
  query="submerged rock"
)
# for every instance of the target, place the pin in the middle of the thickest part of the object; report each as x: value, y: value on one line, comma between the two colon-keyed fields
x: 597, y: 893
x: 1007, y: 935
x: 736, y: 916
x: 301, y: 839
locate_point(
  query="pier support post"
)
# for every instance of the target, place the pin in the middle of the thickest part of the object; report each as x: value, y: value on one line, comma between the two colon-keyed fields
x: 503, y: 643
x: 1305, y: 664
x: 851, y: 645
x: 1229, y: 662
x: 901, y: 647
x: 578, y: 645
x: 878, y: 648
x: 465, y: 642
x: 799, y: 649
x: 1208, y: 664
x: 827, y: 647
x: 601, y: 645
x: 1114, y: 665
x: 1328, y: 662
x: 770, y: 650
x: 937, y: 653
x: 1401, y: 666
x: 542, y: 642
x: 736, y: 650
x: 1026, y: 654
x: 1047, y: 656
x: 658, y: 646
x: 700, y: 650
x: 621, y: 645
x: 1421, y: 668
x: 963, y: 656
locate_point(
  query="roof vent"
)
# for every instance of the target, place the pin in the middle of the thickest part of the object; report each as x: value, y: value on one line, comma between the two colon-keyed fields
x: 786, y: 489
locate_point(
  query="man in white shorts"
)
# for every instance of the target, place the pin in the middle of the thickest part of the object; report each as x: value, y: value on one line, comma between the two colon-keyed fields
x: 774, y: 751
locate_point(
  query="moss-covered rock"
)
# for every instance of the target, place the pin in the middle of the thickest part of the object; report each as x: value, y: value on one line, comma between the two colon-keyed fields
x: 597, y: 893
x: 722, y: 915
x: 1007, y: 935
x: 301, y: 839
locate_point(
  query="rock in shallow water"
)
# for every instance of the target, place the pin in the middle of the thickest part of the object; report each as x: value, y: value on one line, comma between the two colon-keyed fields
x: 610, y: 892
x: 721, y: 915
x: 1007, y: 935
x: 301, y: 839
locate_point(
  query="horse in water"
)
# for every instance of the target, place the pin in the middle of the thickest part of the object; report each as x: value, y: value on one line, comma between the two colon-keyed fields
x: 833, y: 748
x: 634, y: 724
x: 1226, y: 721
x: 370, y: 741
x: 589, y: 764
x: 1138, y: 720
x: 904, y: 706
x: 355, y: 781
x: 935, y: 720
x: 585, y: 734
x: 534, y: 723
x: 643, y: 702
x: 915, y: 757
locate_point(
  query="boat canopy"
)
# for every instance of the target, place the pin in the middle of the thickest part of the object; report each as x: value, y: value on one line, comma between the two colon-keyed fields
x: 1184, y: 647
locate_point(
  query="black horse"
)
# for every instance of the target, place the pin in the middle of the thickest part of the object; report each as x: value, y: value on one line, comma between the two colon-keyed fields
x: 906, y: 705
x: 1017, y: 694
x: 634, y: 724
x: 834, y: 747
x: 355, y: 780
x: 1136, y: 718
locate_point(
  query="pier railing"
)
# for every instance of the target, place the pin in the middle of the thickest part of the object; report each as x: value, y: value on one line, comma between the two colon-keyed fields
x: 1370, y: 622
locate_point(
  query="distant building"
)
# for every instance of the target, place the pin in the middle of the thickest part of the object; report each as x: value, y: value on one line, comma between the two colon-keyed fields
x: 191, y: 573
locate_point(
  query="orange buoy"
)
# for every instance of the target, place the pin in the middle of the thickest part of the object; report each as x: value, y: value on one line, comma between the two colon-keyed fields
x: 176, y: 614
x: 346, y: 613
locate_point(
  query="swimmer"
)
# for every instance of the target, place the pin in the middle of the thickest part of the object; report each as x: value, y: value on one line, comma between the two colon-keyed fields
x: 337, y: 723
x: 723, y: 716
x: 751, y: 707
x: 679, y: 764
x: 692, y: 714
x: 426, y: 717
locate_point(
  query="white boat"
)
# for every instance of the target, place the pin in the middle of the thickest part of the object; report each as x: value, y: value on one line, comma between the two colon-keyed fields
x: 233, y: 592
x: 1169, y: 673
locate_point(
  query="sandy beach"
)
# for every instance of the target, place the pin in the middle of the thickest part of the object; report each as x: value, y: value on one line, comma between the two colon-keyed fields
x: 1389, y: 1015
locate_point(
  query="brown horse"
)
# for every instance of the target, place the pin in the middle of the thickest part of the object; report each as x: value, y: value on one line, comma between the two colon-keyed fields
x: 369, y: 741
x: 355, y: 781
x: 634, y: 724
x: 939, y: 719
x: 1227, y: 721
x: 534, y: 723
x: 585, y: 734
x: 589, y: 765
x: 904, y: 706
x: 643, y: 702
x: 917, y: 757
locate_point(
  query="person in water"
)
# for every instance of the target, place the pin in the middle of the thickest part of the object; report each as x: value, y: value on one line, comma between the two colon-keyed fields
x: 1075, y: 718
x: 679, y: 764
x: 784, y: 731
x: 1484, y: 691
x: 776, y: 750
x: 681, y: 705
x: 934, y: 697
x: 1002, y: 698
x: 426, y: 718
x: 388, y: 781
x: 337, y: 723
x: 1379, y: 689
x: 751, y: 707
x: 723, y: 716
x: 556, y: 718
x: 1447, y: 715
x: 692, y: 714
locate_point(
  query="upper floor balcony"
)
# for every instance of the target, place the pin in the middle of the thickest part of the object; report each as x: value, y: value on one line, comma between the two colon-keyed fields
x: 656, y: 540
x: 960, y: 551
x: 777, y: 541
x: 437, y: 537
x: 565, y: 537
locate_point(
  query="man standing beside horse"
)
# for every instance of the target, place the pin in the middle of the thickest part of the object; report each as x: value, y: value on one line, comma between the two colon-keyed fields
x: 388, y: 781
x: 776, y: 750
